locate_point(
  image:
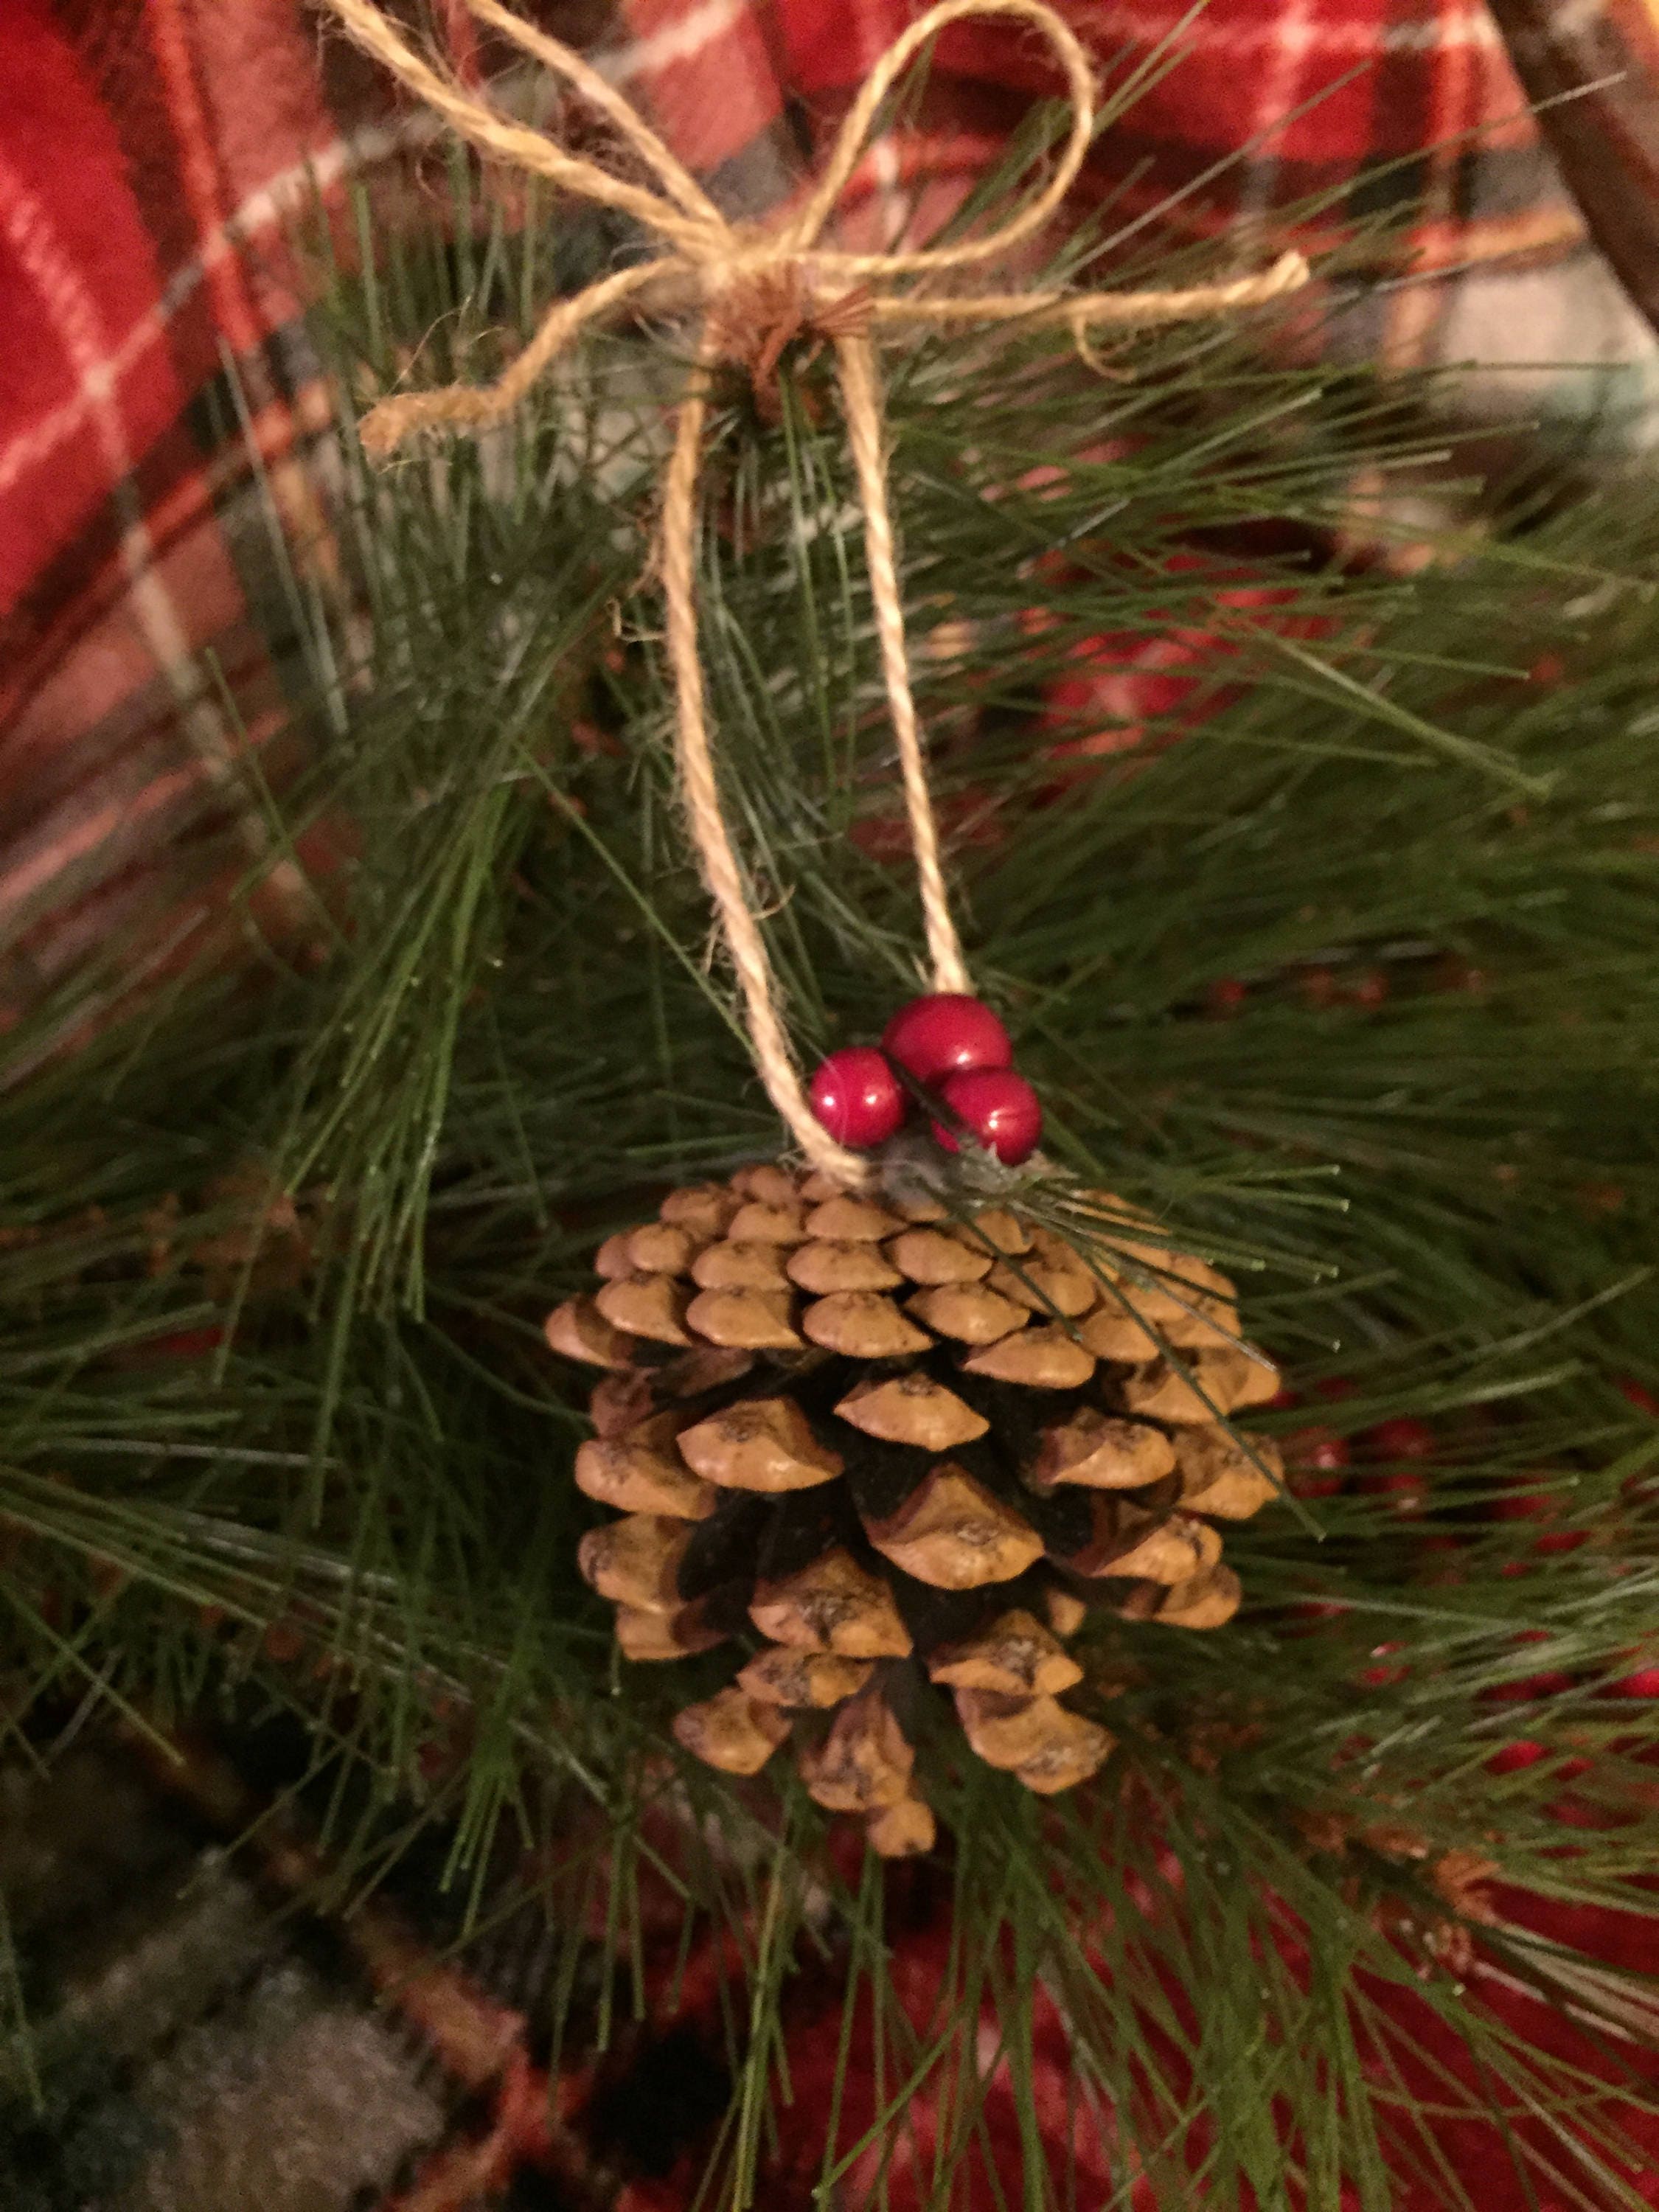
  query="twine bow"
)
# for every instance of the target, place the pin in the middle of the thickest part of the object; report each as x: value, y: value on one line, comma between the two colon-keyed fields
x: 751, y: 287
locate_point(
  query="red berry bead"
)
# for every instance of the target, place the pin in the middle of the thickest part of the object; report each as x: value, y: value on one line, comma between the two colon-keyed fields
x: 858, y: 1097
x: 1514, y: 1756
x: 1313, y: 1461
x: 1402, y: 1438
x: 1000, y: 1108
x: 1382, y: 1678
x: 1405, y: 1489
x: 1368, y: 989
x: 945, y: 1034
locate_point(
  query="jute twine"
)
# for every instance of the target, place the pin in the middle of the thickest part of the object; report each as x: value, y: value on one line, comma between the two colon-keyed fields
x: 752, y: 288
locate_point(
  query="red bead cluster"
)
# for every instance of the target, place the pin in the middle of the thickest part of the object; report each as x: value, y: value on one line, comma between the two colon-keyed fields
x: 958, y: 1049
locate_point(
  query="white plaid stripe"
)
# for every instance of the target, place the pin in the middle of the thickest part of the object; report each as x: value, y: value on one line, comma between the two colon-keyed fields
x: 260, y: 212
x: 1454, y: 23
x: 680, y: 41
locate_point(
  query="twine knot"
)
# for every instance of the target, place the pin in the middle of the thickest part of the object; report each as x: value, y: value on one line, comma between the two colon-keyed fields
x: 754, y: 288
x: 762, y: 308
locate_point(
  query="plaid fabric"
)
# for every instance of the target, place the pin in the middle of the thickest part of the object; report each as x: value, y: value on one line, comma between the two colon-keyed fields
x: 199, y: 2045
x: 152, y: 150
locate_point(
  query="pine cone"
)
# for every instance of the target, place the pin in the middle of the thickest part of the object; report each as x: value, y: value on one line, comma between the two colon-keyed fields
x: 897, y: 1446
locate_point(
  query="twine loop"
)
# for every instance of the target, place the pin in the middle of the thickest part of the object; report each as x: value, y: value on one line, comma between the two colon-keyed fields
x: 753, y: 289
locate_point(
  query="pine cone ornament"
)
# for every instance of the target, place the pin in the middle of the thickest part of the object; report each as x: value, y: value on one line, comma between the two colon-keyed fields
x: 884, y: 1448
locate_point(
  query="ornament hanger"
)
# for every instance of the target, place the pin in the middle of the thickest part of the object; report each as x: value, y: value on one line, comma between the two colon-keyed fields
x: 727, y: 273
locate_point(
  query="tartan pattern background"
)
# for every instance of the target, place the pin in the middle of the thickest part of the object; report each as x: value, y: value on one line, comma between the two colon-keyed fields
x: 150, y: 151
x: 202, y: 2046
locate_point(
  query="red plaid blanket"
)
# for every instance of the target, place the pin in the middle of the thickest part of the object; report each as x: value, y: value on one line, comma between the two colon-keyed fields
x: 196, y: 2056
x: 152, y: 150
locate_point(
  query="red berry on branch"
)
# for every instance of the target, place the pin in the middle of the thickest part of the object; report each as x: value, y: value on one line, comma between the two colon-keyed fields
x: 283, y: 1642
x: 1529, y: 1689
x: 1313, y: 1461
x: 1403, y: 1437
x: 1455, y: 975
x: 1315, y: 1611
x: 999, y: 1107
x: 1225, y: 996
x: 1514, y: 1756
x: 1406, y: 1491
x: 1520, y: 1504
x: 857, y: 1096
x: 1382, y: 1678
x: 946, y: 1033
x: 187, y: 1344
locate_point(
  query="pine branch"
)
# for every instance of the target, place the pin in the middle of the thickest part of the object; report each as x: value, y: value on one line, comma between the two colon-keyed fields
x: 1329, y: 941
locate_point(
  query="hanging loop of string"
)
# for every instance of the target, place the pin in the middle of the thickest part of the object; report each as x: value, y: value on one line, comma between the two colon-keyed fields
x: 731, y: 275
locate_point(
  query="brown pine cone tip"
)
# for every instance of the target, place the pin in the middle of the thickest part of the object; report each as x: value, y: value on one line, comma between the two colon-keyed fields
x: 897, y: 1448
